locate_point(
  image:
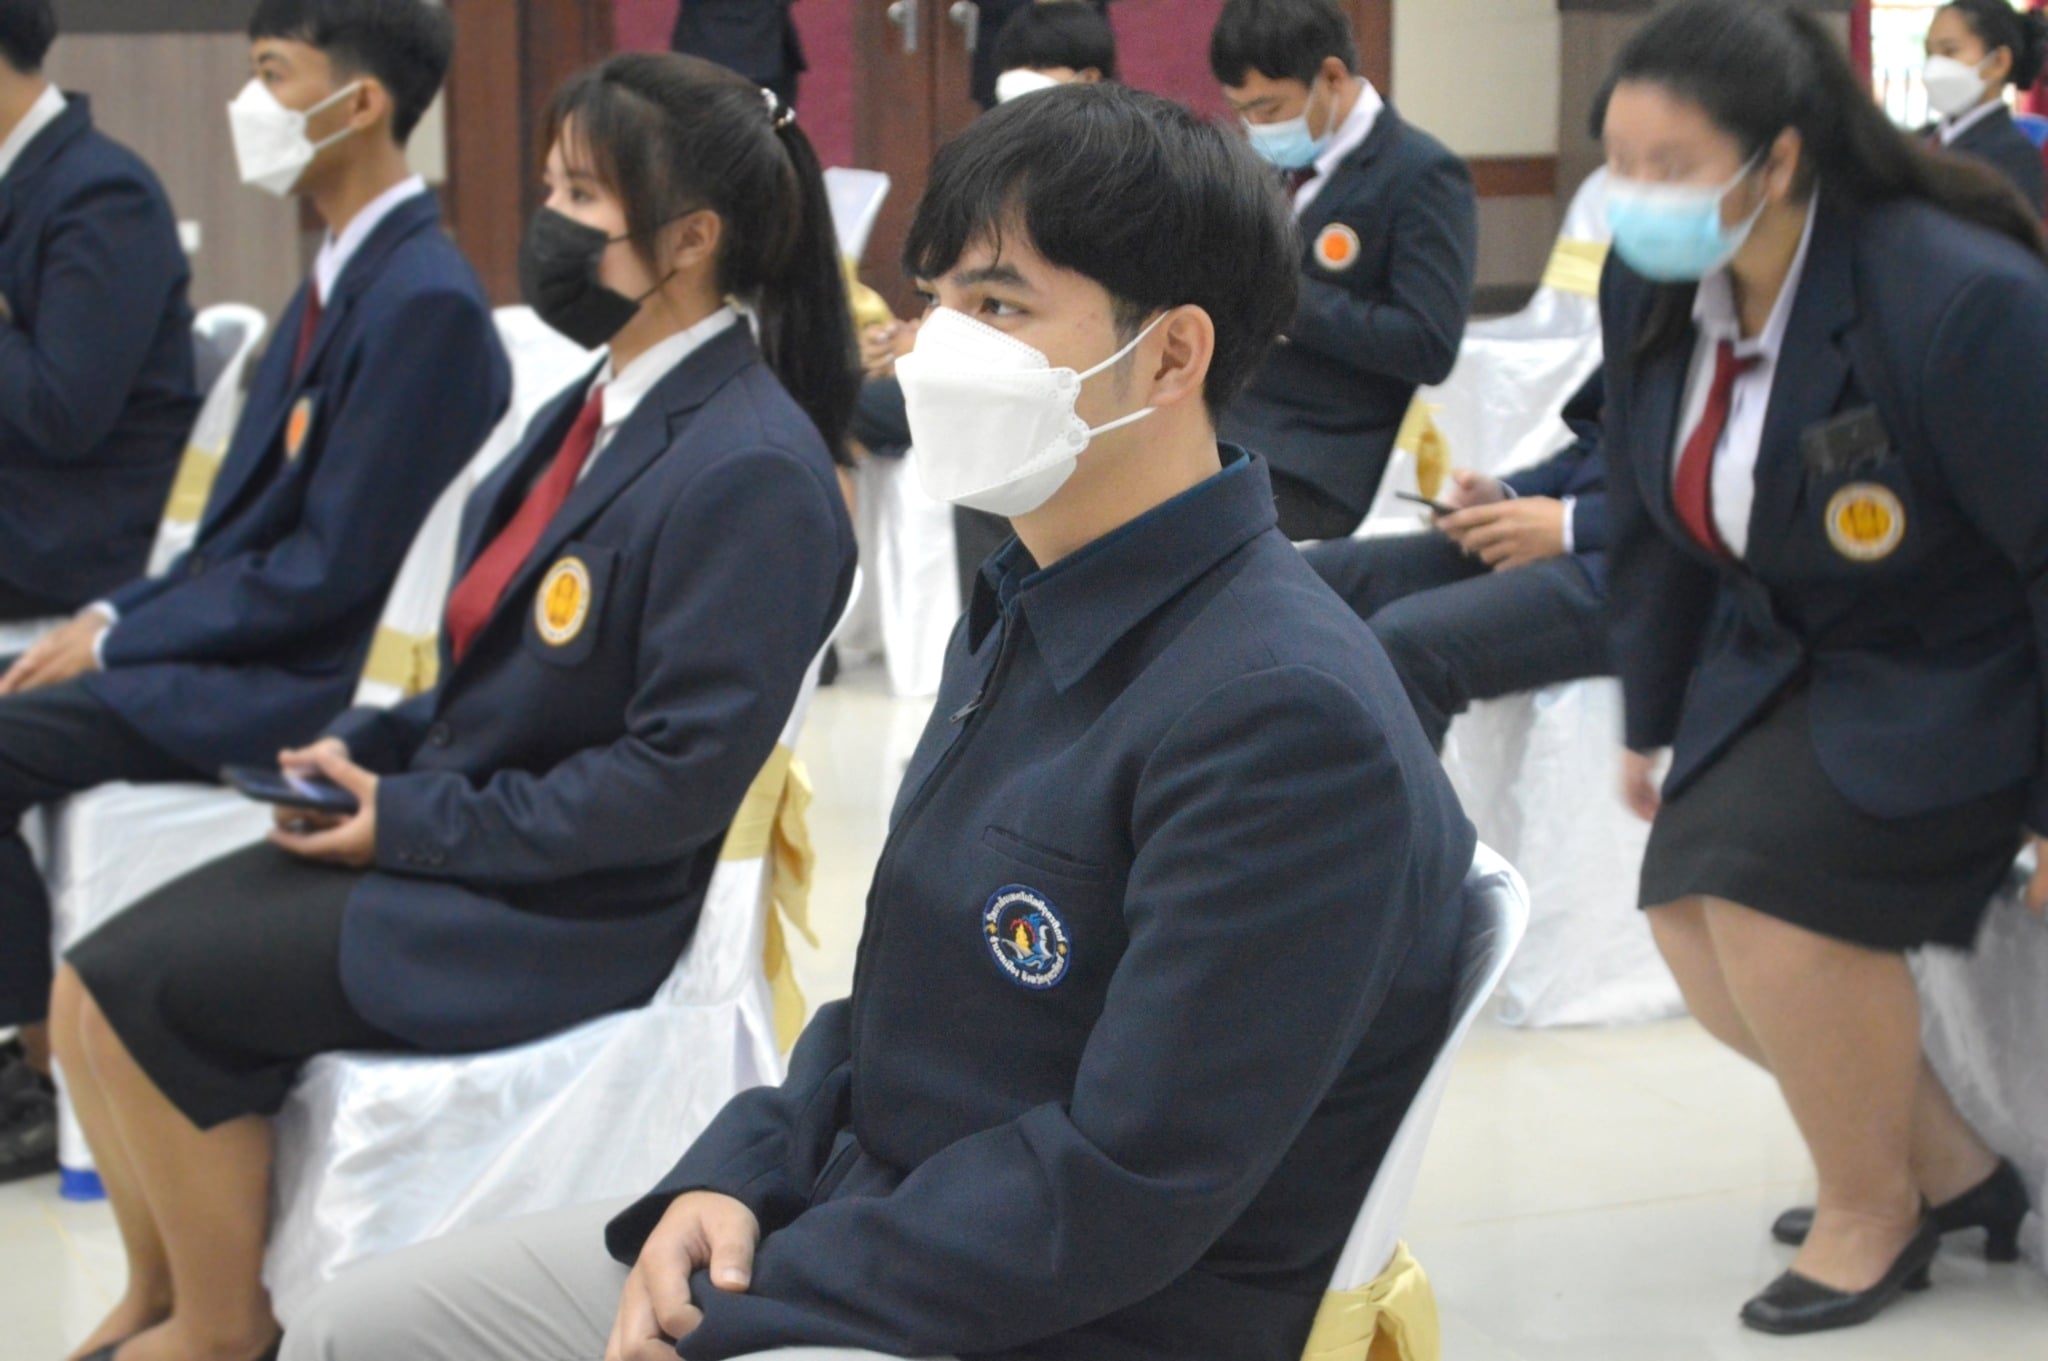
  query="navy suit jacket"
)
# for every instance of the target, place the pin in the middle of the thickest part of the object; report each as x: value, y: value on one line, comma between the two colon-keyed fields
x: 551, y: 812
x: 1329, y: 399
x: 255, y: 638
x: 1579, y: 471
x: 1998, y: 141
x: 756, y: 38
x: 1914, y: 370
x: 96, y: 384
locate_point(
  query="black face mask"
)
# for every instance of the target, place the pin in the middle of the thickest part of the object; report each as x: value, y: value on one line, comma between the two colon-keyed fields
x: 558, y: 264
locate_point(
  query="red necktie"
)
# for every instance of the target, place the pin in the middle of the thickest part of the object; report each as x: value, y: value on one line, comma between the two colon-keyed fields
x: 309, y: 324
x: 1692, y: 494
x: 475, y: 598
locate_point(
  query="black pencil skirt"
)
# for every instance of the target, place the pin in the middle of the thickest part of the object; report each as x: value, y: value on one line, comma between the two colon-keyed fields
x: 223, y: 983
x: 1764, y: 827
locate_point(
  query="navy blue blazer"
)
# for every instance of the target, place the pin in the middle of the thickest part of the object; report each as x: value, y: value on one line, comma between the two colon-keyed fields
x: 1996, y: 140
x: 1157, y: 954
x: 1579, y: 470
x: 1898, y: 550
x: 96, y: 386
x: 1389, y: 251
x: 551, y: 812
x: 255, y: 638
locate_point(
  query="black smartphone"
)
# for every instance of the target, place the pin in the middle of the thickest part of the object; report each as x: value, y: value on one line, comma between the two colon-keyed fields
x: 288, y: 789
x: 1437, y: 506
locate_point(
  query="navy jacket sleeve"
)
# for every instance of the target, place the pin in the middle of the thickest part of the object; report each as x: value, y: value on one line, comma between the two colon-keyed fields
x: 1574, y: 471
x: 111, y: 263
x: 735, y: 609
x: 1145, y: 1167
x: 1589, y: 523
x: 384, y: 740
x: 1413, y: 334
x: 415, y: 414
x: 1985, y: 408
x: 1659, y: 599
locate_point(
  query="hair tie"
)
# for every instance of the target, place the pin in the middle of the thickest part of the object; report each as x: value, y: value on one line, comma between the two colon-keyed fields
x: 780, y: 115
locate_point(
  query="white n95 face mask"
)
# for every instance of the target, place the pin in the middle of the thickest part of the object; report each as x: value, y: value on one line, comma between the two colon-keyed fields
x: 271, y: 146
x: 1022, y: 81
x: 992, y: 422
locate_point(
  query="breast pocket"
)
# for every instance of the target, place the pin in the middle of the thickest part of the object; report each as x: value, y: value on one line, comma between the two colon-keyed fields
x: 565, y: 617
x: 1859, y: 500
x: 1045, y: 859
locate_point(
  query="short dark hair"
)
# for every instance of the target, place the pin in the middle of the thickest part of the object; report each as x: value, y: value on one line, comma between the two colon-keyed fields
x: 27, y: 28
x: 1054, y: 33
x: 1997, y: 24
x: 1280, y: 39
x: 405, y: 44
x: 1135, y: 193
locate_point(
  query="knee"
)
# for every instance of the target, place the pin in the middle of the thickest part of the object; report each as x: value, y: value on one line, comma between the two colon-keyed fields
x: 348, y: 1318
x: 1403, y: 632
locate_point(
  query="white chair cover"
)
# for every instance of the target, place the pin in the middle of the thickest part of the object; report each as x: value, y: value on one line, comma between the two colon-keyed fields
x: 1985, y: 1022
x: 376, y: 1153
x: 1540, y: 775
x: 856, y: 197
x: 906, y: 541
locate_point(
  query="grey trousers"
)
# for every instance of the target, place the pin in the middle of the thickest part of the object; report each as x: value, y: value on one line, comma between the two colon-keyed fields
x: 538, y: 1289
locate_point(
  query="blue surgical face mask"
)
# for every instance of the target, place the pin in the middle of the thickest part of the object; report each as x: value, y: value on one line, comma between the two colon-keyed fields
x: 1287, y: 143
x: 1672, y: 233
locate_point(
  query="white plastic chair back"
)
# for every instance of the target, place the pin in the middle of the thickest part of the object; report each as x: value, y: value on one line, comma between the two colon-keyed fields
x: 1496, y: 906
x: 379, y: 1152
x: 906, y: 540
x: 233, y: 330
x: 856, y: 197
x: 1567, y: 302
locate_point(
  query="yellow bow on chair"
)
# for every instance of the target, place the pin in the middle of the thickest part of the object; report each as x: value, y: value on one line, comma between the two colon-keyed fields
x: 774, y: 822
x: 1575, y: 267
x: 1420, y: 439
x: 194, y: 483
x: 1390, y: 1318
x: 407, y: 662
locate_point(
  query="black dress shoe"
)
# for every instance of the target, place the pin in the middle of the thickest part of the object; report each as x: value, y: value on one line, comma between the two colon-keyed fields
x: 28, y: 1132
x: 1998, y: 1205
x: 1798, y: 1304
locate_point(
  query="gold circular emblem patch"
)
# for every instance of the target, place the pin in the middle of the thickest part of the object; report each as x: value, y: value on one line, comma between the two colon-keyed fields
x: 562, y: 604
x: 1865, y: 522
x: 297, y: 428
x: 1337, y: 247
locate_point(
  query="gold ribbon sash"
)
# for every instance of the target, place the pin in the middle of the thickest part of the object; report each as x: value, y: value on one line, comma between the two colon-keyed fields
x: 193, y: 485
x: 1575, y: 267
x: 1421, y: 440
x: 407, y: 662
x: 774, y: 823
x: 1391, y: 1318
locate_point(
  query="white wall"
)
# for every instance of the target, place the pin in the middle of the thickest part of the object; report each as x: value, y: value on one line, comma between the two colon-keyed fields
x: 1482, y: 75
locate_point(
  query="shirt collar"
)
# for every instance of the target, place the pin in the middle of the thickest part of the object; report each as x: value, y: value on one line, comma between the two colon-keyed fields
x: 47, y: 109
x: 1952, y: 129
x: 1353, y: 131
x: 337, y: 251
x: 623, y: 392
x: 1083, y: 605
x: 1715, y: 315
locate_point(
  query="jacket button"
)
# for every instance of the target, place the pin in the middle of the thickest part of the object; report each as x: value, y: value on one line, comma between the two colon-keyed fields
x: 439, y: 735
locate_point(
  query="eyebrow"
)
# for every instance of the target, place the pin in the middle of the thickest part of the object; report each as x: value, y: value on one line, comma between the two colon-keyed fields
x: 992, y: 274
x: 1262, y: 102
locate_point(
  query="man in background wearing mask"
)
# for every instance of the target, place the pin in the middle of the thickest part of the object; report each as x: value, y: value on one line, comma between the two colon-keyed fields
x: 384, y: 375
x: 1163, y: 940
x: 1390, y: 242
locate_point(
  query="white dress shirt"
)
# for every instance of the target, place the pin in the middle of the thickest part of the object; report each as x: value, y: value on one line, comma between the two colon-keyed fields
x: 1954, y: 128
x: 337, y: 251
x: 1349, y: 136
x: 623, y: 392
x: 47, y: 109
x: 1716, y: 319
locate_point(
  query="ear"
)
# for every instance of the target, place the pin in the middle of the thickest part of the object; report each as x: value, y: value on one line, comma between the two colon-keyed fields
x: 1186, y: 343
x: 1782, y: 166
x: 1088, y: 75
x: 1334, y: 71
x: 1998, y: 67
x: 691, y: 241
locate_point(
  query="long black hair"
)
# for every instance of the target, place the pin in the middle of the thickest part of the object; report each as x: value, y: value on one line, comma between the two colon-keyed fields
x: 672, y: 135
x: 1759, y: 67
x: 1997, y: 24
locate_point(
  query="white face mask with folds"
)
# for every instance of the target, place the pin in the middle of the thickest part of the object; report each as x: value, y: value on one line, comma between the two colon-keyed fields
x: 271, y: 146
x: 1023, y: 81
x: 1953, y: 87
x: 992, y: 422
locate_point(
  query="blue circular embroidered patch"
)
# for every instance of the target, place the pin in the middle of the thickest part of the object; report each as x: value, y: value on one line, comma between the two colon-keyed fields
x: 1026, y: 937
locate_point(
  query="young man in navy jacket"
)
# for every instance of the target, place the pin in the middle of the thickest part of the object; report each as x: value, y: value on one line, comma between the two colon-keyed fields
x: 384, y: 377
x: 96, y: 385
x: 1509, y: 595
x: 1389, y: 246
x: 1162, y: 942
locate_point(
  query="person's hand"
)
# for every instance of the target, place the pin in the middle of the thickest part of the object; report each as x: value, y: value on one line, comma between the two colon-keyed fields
x: 2037, y: 888
x: 58, y: 656
x: 1641, y: 786
x: 1509, y: 534
x: 701, y: 1229
x: 349, y: 841
x: 1468, y: 489
x: 877, y: 348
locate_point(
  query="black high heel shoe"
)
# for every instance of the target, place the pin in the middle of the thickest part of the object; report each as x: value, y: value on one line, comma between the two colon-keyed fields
x: 1798, y: 1304
x: 1998, y: 1205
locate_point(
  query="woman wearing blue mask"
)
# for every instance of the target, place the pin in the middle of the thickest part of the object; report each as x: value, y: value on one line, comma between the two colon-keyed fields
x: 1975, y: 48
x: 1827, y: 383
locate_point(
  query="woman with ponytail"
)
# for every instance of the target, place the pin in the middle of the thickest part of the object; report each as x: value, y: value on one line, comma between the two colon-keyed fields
x: 1975, y: 49
x: 1827, y: 396
x: 640, y: 590
x: 1827, y: 391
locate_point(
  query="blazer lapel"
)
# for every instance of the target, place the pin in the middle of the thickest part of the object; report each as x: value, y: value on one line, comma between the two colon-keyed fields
x: 496, y: 499
x: 1661, y: 407
x: 270, y: 400
x: 1386, y: 131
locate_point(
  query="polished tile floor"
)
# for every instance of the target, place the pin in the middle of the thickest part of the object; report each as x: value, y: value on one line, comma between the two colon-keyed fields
x: 1588, y: 1196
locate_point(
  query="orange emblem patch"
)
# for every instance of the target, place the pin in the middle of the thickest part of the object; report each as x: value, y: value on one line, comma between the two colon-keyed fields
x: 1337, y: 247
x: 298, y: 427
x: 562, y: 604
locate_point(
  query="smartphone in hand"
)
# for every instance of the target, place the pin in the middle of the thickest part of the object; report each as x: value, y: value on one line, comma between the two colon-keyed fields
x: 289, y: 789
x: 1439, y: 507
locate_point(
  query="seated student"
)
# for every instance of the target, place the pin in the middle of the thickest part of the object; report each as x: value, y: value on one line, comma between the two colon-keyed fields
x: 1390, y: 242
x: 1162, y: 942
x: 991, y: 17
x: 643, y: 587
x: 1053, y: 42
x: 96, y: 386
x: 384, y: 378
x: 1975, y: 49
x: 1506, y: 596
